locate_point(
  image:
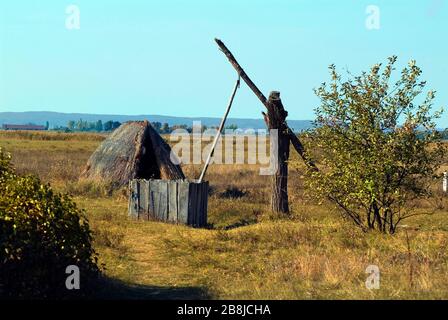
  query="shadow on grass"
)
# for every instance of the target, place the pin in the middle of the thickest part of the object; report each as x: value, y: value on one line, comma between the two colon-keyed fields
x: 231, y: 224
x: 112, y: 289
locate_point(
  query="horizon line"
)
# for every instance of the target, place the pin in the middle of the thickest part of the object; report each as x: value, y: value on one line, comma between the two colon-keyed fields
x: 149, y: 114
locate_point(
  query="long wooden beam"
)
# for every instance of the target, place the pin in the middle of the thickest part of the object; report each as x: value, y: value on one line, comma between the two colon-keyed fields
x: 297, y: 144
x: 241, y: 72
x: 218, y: 134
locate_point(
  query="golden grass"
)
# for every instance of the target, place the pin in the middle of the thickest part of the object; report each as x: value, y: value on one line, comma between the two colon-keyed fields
x: 51, y: 135
x: 247, y: 253
x: 307, y: 258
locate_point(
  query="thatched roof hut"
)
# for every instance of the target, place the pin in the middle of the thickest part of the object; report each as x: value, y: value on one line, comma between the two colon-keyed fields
x: 133, y: 151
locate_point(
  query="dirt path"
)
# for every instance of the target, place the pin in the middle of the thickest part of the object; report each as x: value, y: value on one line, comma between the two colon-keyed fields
x: 151, y: 274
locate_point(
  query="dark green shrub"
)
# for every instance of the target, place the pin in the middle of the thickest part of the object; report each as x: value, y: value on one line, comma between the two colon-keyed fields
x: 41, y: 233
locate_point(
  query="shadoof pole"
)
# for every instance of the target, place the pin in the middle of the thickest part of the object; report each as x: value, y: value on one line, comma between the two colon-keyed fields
x: 218, y: 134
x: 296, y: 143
x: 275, y: 118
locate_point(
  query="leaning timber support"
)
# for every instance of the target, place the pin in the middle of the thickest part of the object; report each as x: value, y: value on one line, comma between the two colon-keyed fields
x: 218, y: 134
x: 275, y: 119
x: 297, y: 144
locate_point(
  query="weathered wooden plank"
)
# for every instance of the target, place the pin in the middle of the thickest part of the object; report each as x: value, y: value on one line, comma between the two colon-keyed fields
x: 154, y: 198
x: 204, y: 205
x: 172, y: 201
x: 152, y: 202
x: 198, y: 208
x: 133, y: 199
x: 183, y: 201
x: 192, y: 204
x: 201, y: 204
x: 148, y: 198
x: 137, y: 183
x: 158, y: 199
x: 162, y: 213
x: 144, y: 200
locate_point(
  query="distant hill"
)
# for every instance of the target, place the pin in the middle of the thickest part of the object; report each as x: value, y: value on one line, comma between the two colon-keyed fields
x: 57, y: 119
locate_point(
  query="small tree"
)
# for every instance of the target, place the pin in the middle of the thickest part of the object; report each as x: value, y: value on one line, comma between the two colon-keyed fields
x: 108, y: 125
x: 115, y: 125
x: 165, y: 128
x: 156, y: 125
x: 71, y: 125
x: 377, y: 146
x: 99, y: 126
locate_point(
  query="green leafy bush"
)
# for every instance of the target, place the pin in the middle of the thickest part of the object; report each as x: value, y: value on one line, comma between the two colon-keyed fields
x: 377, y: 143
x: 41, y: 233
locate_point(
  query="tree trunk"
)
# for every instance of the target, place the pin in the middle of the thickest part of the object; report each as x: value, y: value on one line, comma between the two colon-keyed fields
x: 276, y: 119
x: 377, y: 217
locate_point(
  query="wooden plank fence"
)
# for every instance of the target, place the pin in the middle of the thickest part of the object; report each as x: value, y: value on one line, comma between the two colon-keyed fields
x: 177, y: 201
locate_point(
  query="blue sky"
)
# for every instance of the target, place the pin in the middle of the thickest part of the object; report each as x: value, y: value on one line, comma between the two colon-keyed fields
x: 159, y: 57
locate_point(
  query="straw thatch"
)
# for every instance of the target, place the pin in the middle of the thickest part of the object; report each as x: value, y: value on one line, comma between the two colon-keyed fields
x: 133, y: 151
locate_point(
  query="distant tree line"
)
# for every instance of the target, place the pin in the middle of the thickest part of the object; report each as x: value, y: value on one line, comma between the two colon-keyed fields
x: 108, y: 126
x: 165, y: 128
x: 89, y: 126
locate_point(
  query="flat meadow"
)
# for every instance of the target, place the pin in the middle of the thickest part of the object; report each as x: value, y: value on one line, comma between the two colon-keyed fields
x: 247, y: 252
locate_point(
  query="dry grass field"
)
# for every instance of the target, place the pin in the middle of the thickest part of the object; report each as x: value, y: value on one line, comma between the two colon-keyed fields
x: 247, y: 253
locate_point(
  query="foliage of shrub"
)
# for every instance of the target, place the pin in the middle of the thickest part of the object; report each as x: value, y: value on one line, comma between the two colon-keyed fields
x: 41, y: 233
x: 378, y: 144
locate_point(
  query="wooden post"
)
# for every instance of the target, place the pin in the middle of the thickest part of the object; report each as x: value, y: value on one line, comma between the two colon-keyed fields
x: 276, y: 119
